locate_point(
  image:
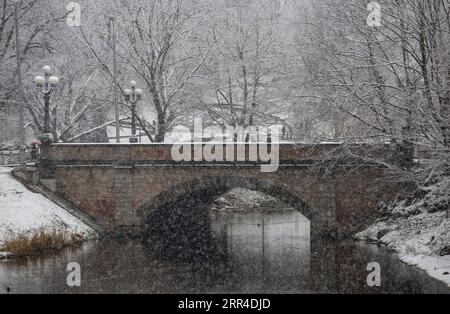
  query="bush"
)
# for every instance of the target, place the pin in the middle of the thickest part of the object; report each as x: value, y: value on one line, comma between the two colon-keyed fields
x: 41, y: 242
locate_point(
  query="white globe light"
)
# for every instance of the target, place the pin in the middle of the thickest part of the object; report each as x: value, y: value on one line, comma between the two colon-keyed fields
x: 133, y: 83
x: 39, y: 80
x: 47, y: 70
x: 127, y: 92
x: 139, y: 92
x: 54, y: 81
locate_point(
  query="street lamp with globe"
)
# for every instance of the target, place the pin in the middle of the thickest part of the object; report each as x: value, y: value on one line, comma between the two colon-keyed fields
x: 132, y: 96
x: 46, y: 85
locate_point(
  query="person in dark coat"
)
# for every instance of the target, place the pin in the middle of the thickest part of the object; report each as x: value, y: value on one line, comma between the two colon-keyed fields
x: 34, y: 150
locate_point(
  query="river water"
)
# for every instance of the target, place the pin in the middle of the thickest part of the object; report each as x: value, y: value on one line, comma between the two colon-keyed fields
x: 261, y: 253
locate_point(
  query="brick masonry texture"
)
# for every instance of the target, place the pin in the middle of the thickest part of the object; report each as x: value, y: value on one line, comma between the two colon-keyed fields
x: 119, y: 185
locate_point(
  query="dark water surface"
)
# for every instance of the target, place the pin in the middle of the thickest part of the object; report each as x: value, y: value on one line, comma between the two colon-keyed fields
x: 268, y: 253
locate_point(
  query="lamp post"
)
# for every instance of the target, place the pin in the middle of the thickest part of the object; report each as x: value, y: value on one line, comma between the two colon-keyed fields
x: 22, y: 158
x: 113, y: 33
x: 132, y: 96
x: 46, y: 85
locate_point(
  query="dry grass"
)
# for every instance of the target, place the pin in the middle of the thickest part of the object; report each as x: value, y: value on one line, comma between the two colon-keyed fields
x: 41, y: 242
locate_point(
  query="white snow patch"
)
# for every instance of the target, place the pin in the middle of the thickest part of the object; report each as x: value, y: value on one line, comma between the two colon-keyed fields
x: 436, y: 266
x: 4, y: 255
x: 436, y: 199
x: 418, y: 241
x: 22, y: 211
x: 240, y: 199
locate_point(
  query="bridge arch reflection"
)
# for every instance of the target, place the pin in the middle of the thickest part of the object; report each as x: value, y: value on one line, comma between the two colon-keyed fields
x: 179, y: 218
x: 178, y: 227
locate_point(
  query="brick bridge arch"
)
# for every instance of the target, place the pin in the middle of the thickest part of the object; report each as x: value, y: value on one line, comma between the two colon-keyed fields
x: 177, y: 224
x: 118, y: 185
x: 212, y: 188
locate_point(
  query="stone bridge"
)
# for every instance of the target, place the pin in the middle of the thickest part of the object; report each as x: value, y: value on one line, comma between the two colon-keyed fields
x: 119, y: 186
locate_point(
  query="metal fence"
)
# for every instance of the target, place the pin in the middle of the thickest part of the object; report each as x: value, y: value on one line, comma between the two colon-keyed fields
x: 11, y: 157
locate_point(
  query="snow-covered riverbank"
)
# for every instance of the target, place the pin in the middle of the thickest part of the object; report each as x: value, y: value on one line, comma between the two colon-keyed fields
x: 25, y: 212
x: 419, y: 232
x: 238, y: 200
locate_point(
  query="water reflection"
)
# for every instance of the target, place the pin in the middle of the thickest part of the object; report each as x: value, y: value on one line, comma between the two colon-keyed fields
x: 267, y: 253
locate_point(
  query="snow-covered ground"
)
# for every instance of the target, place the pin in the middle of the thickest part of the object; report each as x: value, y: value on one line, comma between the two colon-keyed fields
x: 246, y: 200
x: 420, y: 240
x: 22, y: 211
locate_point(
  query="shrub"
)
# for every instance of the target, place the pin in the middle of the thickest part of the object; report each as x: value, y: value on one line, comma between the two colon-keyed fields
x: 41, y: 242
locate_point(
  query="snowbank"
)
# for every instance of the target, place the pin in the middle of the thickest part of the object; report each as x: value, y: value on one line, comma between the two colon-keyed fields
x: 22, y: 211
x: 240, y: 199
x: 420, y: 240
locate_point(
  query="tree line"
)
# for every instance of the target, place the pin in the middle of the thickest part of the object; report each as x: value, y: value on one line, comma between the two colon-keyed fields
x: 319, y: 68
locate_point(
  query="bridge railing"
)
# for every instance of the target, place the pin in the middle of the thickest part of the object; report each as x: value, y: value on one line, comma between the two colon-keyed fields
x: 12, y: 157
x: 162, y: 153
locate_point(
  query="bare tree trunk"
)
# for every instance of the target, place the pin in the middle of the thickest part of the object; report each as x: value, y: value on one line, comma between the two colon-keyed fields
x: 445, y: 111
